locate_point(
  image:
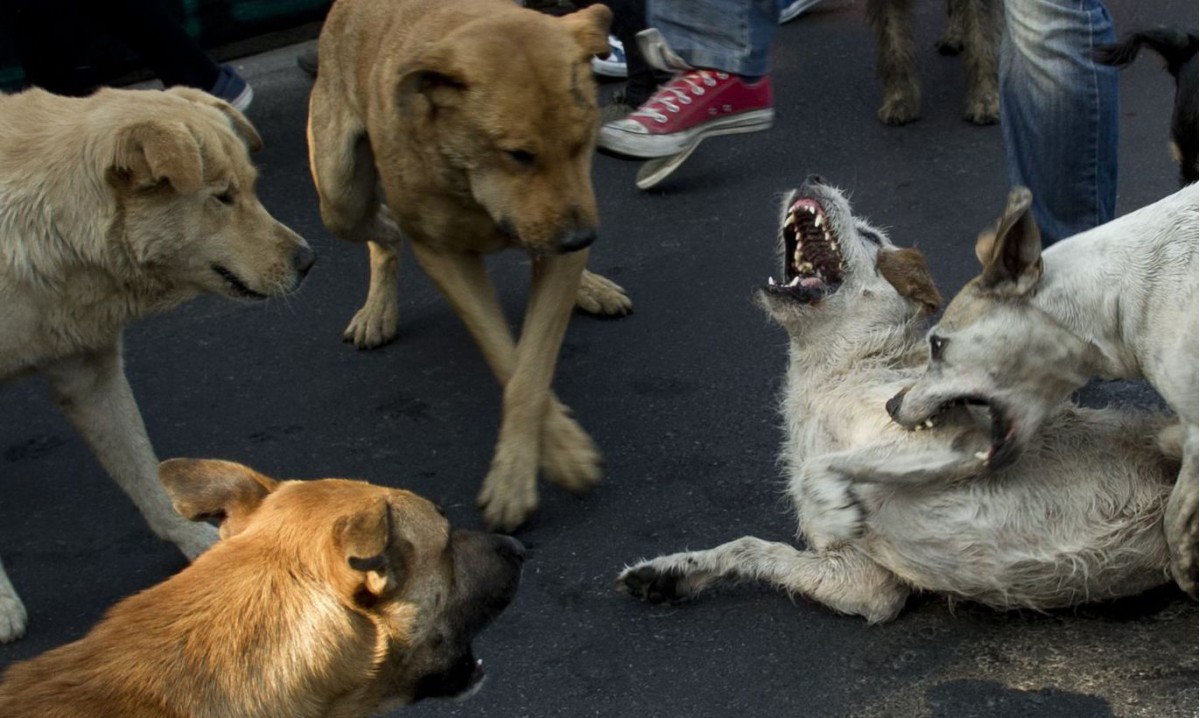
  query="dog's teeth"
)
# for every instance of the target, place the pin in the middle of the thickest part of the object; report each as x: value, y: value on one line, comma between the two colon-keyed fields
x: 820, y: 221
x: 929, y: 423
x: 981, y: 455
x: 790, y: 221
x: 795, y: 282
x: 811, y: 210
x: 771, y: 281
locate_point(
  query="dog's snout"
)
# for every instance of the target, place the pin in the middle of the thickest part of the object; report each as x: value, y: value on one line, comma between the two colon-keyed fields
x: 509, y: 548
x: 303, y: 259
x: 893, y: 404
x: 576, y: 238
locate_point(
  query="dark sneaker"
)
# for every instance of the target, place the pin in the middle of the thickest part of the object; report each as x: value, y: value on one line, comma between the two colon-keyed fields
x: 614, y: 64
x: 692, y: 106
x: 795, y: 9
x: 233, y: 89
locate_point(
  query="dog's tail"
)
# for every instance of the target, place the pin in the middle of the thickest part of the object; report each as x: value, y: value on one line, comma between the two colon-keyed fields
x: 1175, y: 47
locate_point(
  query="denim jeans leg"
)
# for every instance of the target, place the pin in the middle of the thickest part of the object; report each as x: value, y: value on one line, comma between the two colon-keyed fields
x: 733, y: 36
x: 1059, y: 112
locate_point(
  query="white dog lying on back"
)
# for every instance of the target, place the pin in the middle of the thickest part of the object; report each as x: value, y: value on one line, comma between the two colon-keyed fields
x: 1118, y: 301
x: 886, y: 510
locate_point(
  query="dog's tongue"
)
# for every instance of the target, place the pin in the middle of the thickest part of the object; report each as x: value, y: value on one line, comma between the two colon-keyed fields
x: 811, y: 282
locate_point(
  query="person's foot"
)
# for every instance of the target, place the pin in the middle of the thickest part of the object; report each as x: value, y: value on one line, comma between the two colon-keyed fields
x: 614, y: 64
x: 795, y: 9
x: 307, y: 61
x: 233, y: 89
x: 690, y: 107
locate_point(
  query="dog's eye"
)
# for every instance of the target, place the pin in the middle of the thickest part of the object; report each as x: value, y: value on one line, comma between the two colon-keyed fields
x: 226, y: 197
x: 937, y: 346
x: 521, y: 157
x: 871, y: 236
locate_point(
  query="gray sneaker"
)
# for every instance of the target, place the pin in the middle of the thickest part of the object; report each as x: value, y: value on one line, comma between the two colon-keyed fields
x: 793, y: 10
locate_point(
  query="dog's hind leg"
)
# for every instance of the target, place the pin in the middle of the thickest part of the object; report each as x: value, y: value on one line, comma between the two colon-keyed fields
x: 895, y: 60
x: 1179, y: 521
x: 93, y: 393
x: 565, y: 452
x: 979, y: 21
x: 843, y: 579
x: 13, y: 617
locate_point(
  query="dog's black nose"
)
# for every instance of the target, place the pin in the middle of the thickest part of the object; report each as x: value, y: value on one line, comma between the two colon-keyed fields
x: 815, y: 179
x: 576, y: 239
x: 509, y: 548
x: 893, y: 404
x: 303, y: 259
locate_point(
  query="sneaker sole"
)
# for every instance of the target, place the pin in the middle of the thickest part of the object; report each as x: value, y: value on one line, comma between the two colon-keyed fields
x: 241, y: 103
x: 656, y: 146
x: 609, y: 69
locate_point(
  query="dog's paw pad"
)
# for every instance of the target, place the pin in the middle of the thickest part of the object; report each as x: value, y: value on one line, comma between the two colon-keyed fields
x: 13, y: 617
x: 653, y: 584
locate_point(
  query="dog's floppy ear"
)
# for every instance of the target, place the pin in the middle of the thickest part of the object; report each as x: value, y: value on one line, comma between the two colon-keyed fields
x: 589, y: 27
x: 363, y: 539
x: 435, y: 76
x: 240, y: 124
x: 210, y: 488
x: 906, y: 270
x: 1012, y: 256
x: 153, y: 151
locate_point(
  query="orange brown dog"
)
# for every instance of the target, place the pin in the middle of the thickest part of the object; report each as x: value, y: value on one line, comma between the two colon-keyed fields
x: 324, y: 598
x: 468, y: 127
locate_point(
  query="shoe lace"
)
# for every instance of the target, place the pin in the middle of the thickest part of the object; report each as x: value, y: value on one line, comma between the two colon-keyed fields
x: 679, y: 91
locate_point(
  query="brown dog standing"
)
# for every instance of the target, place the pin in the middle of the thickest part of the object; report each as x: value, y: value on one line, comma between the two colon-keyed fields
x: 476, y: 119
x: 323, y: 598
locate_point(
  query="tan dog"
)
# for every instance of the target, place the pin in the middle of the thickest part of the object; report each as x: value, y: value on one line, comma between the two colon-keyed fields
x: 476, y: 119
x: 323, y: 598
x: 113, y: 207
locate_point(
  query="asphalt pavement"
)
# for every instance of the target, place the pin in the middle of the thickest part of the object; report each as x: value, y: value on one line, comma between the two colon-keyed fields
x: 680, y: 396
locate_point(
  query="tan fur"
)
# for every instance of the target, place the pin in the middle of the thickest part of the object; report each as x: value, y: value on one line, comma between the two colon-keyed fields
x: 1118, y: 301
x: 113, y: 207
x: 324, y: 598
x: 885, y: 511
x: 477, y: 121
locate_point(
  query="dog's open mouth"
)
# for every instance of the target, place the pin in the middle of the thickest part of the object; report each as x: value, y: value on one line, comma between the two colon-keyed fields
x: 1002, y: 449
x: 237, y: 285
x: 812, y: 263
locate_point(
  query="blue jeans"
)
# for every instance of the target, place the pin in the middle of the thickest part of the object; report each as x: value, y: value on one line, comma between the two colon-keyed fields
x: 733, y: 36
x: 1059, y: 112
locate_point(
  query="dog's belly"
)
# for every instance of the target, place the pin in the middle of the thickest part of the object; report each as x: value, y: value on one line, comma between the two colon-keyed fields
x: 1029, y: 544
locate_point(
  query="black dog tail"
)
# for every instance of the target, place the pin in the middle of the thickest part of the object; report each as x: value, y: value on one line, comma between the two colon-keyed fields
x: 1174, y: 46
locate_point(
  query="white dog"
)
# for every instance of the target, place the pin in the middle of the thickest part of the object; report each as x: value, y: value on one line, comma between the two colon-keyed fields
x: 886, y: 510
x: 112, y: 207
x: 1119, y: 301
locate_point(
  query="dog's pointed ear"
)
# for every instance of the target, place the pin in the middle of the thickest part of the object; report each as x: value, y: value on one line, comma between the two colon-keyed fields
x: 435, y: 77
x: 241, y: 126
x: 150, y: 152
x: 1012, y: 257
x: 209, y: 488
x: 363, y: 539
x: 906, y: 270
x: 589, y: 27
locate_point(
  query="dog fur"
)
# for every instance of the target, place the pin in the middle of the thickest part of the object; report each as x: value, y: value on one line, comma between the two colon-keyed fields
x: 477, y: 120
x: 113, y: 207
x: 1178, y: 52
x: 885, y: 510
x: 323, y: 598
x: 1118, y: 301
x: 973, y: 27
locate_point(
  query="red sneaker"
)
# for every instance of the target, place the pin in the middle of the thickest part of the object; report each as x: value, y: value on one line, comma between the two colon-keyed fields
x: 692, y: 106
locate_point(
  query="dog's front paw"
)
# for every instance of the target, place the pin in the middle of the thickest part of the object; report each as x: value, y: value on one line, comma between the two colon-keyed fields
x: 13, y: 617
x: 838, y: 513
x: 374, y: 325
x: 899, y: 109
x: 509, y: 494
x: 655, y: 584
x: 601, y: 296
x: 570, y: 458
x: 983, y: 107
x: 193, y: 538
x: 1179, y: 523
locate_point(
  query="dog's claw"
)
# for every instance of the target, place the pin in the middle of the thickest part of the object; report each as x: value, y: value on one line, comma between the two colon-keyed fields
x: 374, y: 325
x: 601, y: 296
